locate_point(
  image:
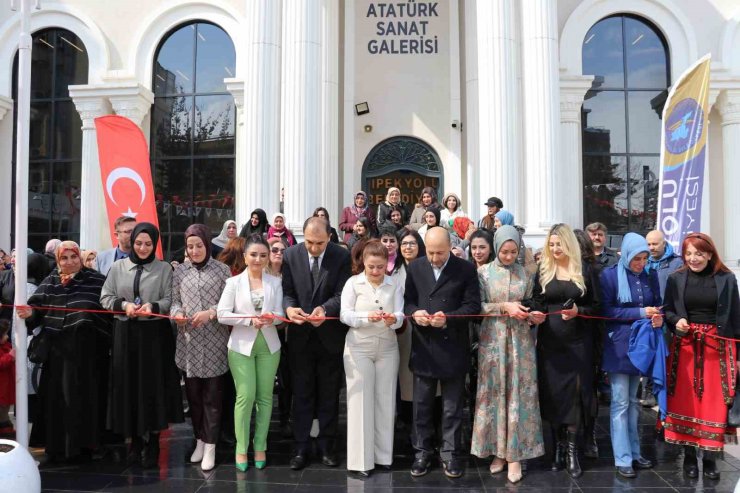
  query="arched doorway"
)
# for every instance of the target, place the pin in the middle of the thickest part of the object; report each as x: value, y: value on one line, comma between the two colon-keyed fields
x: 405, y: 162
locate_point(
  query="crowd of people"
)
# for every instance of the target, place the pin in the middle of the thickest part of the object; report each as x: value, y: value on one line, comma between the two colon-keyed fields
x: 391, y: 307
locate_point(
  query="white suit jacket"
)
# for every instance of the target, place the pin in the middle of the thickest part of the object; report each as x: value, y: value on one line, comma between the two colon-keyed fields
x: 236, y: 301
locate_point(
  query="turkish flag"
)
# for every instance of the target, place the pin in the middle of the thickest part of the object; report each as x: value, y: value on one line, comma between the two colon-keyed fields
x: 126, y: 172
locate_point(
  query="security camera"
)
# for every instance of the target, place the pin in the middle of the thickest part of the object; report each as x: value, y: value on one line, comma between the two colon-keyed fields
x: 456, y: 124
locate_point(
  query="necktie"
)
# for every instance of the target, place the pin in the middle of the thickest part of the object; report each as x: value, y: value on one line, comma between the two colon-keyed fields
x: 315, y: 270
x: 137, y: 279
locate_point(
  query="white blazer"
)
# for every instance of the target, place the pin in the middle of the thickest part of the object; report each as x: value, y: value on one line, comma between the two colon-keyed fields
x: 236, y: 301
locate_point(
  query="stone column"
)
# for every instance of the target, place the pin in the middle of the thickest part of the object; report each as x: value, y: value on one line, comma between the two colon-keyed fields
x: 94, y: 231
x: 131, y: 100
x: 301, y: 109
x: 729, y: 108
x: 6, y: 170
x: 330, y: 108
x: 258, y: 133
x: 570, y: 192
x: 541, y: 114
x: 493, y: 126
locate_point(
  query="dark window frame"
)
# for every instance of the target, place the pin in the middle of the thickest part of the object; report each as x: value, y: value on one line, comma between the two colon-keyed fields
x: 51, y: 160
x: 626, y: 90
x: 156, y: 158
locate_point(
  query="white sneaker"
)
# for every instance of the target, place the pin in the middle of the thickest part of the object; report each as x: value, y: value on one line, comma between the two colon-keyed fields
x: 198, y: 452
x: 209, y: 457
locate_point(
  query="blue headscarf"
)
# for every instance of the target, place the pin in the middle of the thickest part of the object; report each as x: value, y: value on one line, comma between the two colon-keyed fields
x: 632, y: 245
x: 506, y: 217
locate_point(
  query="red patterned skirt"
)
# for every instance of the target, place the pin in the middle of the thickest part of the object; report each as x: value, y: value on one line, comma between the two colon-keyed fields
x: 701, y: 386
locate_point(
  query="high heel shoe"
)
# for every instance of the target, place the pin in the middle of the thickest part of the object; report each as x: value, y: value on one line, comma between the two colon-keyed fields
x: 497, y: 465
x: 242, y: 466
x: 260, y: 464
x: 515, y: 472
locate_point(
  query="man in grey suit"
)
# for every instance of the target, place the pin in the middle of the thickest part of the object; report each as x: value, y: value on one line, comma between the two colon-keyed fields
x: 123, y: 225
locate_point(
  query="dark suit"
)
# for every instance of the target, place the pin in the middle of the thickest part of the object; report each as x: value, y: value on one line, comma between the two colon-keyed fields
x: 315, y: 353
x: 440, y: 354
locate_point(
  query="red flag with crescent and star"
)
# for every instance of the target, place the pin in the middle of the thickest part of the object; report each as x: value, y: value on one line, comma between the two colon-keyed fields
x: 126, y: 172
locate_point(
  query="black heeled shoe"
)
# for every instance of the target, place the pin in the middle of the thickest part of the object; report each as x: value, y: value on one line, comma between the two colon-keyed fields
x: 710, y: 469
x: 558, y: 461
x: 150, y: 456
x: 571, y: 460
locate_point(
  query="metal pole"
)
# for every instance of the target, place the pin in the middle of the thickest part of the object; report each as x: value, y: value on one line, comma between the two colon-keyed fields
x: 21, y: 220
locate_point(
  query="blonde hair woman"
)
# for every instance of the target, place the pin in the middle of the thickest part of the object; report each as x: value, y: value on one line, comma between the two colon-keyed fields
x: 564, y: 342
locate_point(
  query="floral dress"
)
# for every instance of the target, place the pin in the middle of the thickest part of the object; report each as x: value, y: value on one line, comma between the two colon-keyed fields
x: 507, y: 413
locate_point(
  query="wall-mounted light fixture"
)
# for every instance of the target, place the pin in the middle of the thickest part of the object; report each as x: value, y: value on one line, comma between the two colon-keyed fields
x: 362, y: 108
x: 368, y: 128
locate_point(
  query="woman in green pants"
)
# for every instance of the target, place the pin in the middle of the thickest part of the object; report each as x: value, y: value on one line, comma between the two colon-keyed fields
x: 251, y: 303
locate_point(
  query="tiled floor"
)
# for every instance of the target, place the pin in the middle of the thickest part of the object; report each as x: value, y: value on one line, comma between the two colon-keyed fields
x: 176, y: 475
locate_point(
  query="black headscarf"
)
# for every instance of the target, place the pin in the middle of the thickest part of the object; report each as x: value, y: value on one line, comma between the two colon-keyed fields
x: 153, y: 233
x: 202, y: 232
x: 261, y: 228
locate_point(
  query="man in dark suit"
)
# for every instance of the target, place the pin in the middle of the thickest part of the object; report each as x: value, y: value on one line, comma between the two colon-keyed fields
x: 438, y: 286
x: 314, y: 274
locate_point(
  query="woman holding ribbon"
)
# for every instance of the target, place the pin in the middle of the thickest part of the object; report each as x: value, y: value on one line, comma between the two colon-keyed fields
x: 201, y: 341
x: 507, y: 421
x: 702, y: 308
x: 252, y: 304
x: 628, y: 293
x: 66, y: 307
x: 145, y: 384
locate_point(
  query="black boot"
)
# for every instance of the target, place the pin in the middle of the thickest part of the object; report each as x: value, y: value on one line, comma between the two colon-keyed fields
x: 690, y: 463
x: 710, y: 469
x: 150, y: 457
x: 571, y: 460
x: 591, y: 448
x: 558, y: 461
x: 134, y: 451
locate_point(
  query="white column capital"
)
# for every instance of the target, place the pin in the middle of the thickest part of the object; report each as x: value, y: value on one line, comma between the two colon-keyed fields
x: 6, y: 105
x: 236, y: 88
x: 132, y: 101
x: 728, y: 104
x: 573, y: 89
x: 89, y: 106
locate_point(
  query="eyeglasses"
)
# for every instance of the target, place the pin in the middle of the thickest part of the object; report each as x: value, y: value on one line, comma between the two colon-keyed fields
x: 277, y: 250
x: 408, y: 244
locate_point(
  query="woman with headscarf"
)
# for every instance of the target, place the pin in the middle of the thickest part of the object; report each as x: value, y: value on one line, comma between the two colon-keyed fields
x: 145, y: 384
x: 392, y: 201
x: 69, y: 400
x: 628, y: 293
x: 507, y: 421
x: 352, y: 213
x: 506, y: 218
x: 451, y: 210
x: 322, y: 212
x: 280, y: 230
x: 428, y: 201
x: 257, y: 224
x: 88, y: 258
x: 201, y: 341
x: 431, y: 219
x: 228, y: 232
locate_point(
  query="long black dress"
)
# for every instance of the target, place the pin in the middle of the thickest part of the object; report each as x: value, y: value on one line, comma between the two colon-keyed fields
x: 565, y: 351
x: 73, y: 380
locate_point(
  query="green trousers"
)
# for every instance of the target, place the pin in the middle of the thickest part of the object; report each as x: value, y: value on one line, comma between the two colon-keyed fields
x: 254, y: 379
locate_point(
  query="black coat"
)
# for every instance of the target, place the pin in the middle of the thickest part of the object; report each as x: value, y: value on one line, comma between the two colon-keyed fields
x: 435, y: 352
x: 728, y: 302
x: 297, y: 292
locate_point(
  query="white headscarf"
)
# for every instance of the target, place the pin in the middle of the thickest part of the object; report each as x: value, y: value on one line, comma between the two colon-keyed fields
x: 222, y: 239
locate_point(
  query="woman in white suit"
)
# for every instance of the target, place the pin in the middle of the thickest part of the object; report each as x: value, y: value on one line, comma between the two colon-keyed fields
x: 372, y: 307
x: 254, y: 346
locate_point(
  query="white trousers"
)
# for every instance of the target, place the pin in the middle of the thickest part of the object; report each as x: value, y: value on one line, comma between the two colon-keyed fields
x: 371, y: 366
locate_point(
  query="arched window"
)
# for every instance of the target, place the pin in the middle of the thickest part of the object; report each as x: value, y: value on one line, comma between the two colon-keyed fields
x: 621, y: 122
x: 193, y: 131
x: 58, y: 60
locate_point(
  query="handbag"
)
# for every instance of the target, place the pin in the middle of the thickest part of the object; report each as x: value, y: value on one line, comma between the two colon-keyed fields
x: 39, y: 347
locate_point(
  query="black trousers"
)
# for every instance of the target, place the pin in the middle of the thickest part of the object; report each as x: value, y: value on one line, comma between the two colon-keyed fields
x: 285, y: 394
x: 423, y: 434
x: 205, y: 396
x: 316, y: 377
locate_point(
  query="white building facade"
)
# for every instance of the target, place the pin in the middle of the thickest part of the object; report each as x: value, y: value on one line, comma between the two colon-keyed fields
x: 552, y: 106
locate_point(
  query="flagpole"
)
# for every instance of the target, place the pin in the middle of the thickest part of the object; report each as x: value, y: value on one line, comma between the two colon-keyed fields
x: 21, y: 215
